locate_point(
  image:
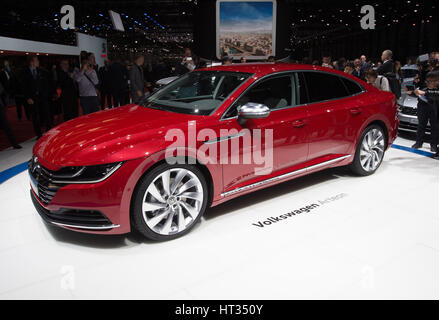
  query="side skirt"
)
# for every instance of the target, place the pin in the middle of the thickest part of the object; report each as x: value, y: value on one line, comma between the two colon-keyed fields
x: 284, y: 176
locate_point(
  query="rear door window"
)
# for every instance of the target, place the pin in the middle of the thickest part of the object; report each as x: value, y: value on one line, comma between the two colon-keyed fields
x: 322, y: 86
x: 352, y: 87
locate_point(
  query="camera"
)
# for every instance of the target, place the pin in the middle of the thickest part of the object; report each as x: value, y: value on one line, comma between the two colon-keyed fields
x: 433, y: 62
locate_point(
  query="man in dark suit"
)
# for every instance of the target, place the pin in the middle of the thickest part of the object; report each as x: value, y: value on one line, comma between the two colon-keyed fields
x: 137, y: 80
x: 118, y: 75
x: 6, y: 81
x: 13, y: 90
x: 4, y: 123
x: 387, y: 66
x: 69, y: 91
x: 104, y: 81
x: 36, y: 93
x: 357, y: 69
x: 17, y: 90
x: 365, y: 66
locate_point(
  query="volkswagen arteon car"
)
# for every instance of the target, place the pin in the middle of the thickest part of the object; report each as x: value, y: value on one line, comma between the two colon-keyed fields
x: 112, y: 172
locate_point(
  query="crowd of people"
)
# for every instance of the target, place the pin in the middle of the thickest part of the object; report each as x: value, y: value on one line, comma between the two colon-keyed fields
x: 384, y: 74
x: 387, y: 75
x: 50, y: 95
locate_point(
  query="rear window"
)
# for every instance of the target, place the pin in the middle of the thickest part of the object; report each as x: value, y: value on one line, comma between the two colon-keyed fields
x: 352, y: 86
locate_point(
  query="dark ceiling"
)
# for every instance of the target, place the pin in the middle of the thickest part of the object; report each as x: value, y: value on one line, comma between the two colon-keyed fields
x: 154, y: 25
x: 149, y: 24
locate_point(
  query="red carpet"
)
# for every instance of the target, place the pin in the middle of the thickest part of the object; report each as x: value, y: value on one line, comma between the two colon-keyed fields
x: 23, y: 129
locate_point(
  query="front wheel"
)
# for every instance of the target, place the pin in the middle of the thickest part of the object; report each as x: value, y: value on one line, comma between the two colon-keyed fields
x: 370, y: 151
x: 169, y: 201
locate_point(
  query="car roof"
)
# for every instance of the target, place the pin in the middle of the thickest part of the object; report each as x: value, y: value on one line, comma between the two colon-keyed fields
x: 410, y: 67
x: 260, y: 69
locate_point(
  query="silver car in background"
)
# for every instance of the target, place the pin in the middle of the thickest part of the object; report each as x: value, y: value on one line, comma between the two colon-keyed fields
x: 408, y: 104
x: 163, y: 82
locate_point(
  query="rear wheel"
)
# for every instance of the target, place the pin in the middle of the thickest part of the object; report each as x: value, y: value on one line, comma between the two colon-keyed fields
x: 370, y: 151
x: 169, y: 201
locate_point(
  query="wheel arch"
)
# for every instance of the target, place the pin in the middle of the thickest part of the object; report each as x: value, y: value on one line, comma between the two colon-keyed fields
x: 383, y: 126
x: 374, y: 119
x: 187, y: 160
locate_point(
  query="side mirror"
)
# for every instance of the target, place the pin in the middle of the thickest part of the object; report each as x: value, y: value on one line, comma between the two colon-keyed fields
x: 252, y: 111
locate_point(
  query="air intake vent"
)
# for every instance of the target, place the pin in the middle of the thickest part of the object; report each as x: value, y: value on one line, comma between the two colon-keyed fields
x: 409, y: 111
x: 81, y: 219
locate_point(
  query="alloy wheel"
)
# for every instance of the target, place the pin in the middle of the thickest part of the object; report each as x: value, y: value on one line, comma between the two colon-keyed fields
x: 372, y: 150
x: 173, y: 201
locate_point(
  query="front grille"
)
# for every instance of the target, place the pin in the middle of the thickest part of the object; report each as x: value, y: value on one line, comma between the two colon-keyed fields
x: 409, y: 111
x: 412, y: 127
x: 46, y: 188
x: 81, y: 219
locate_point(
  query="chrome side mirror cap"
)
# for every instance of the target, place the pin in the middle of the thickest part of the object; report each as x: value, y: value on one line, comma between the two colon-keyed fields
x: 252, y: 110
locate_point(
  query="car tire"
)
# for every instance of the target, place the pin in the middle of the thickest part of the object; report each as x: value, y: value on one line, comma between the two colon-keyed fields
x: 370, y: 151
x: 169, y: 201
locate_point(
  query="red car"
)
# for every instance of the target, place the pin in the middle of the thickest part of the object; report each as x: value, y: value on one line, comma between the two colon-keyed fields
x: 157, y: 166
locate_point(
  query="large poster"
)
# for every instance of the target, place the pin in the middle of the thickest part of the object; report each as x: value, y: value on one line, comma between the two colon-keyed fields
x: 246, y: 28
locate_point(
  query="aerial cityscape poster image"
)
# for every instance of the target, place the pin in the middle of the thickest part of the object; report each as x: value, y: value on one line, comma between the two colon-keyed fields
x: 246, y: 29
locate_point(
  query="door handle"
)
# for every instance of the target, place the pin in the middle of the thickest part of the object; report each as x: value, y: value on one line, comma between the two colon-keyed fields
x: 355, y: 111
x: 299, y: 124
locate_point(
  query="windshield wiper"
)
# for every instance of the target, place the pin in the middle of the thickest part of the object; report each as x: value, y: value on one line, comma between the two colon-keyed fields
x: 144, y: 103
x: 143, y: 100
x: 155, y: 106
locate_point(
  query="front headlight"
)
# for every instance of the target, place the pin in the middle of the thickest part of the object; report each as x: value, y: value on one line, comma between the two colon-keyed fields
x: 86, y: 174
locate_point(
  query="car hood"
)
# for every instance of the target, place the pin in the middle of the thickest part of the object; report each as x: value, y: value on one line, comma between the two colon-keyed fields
x: 408, y: 101
x: 108, y: 136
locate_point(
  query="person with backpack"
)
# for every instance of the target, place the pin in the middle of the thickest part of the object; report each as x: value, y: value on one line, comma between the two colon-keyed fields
x: 387, y: 69
x: 378, y: 81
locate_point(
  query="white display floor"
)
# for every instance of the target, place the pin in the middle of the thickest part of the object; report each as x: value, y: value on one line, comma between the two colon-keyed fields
x: 380, y: 239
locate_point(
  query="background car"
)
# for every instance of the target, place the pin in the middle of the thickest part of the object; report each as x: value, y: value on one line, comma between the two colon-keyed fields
x: 408, y: 114
x: 163, y: 82
x: 111, y: 172
x: 408, y: 104
x: 409, y: 72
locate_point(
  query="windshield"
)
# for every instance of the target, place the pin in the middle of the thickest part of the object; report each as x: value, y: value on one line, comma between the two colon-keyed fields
x: 409, y: 73
x: 198, y: 92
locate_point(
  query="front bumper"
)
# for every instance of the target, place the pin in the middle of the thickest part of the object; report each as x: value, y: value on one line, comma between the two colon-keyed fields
x: 99, y: 208
x: 74, y: 219
x: 409, y: 123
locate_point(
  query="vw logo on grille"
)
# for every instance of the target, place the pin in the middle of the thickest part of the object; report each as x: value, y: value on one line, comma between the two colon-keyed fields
x: 36, y: 166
